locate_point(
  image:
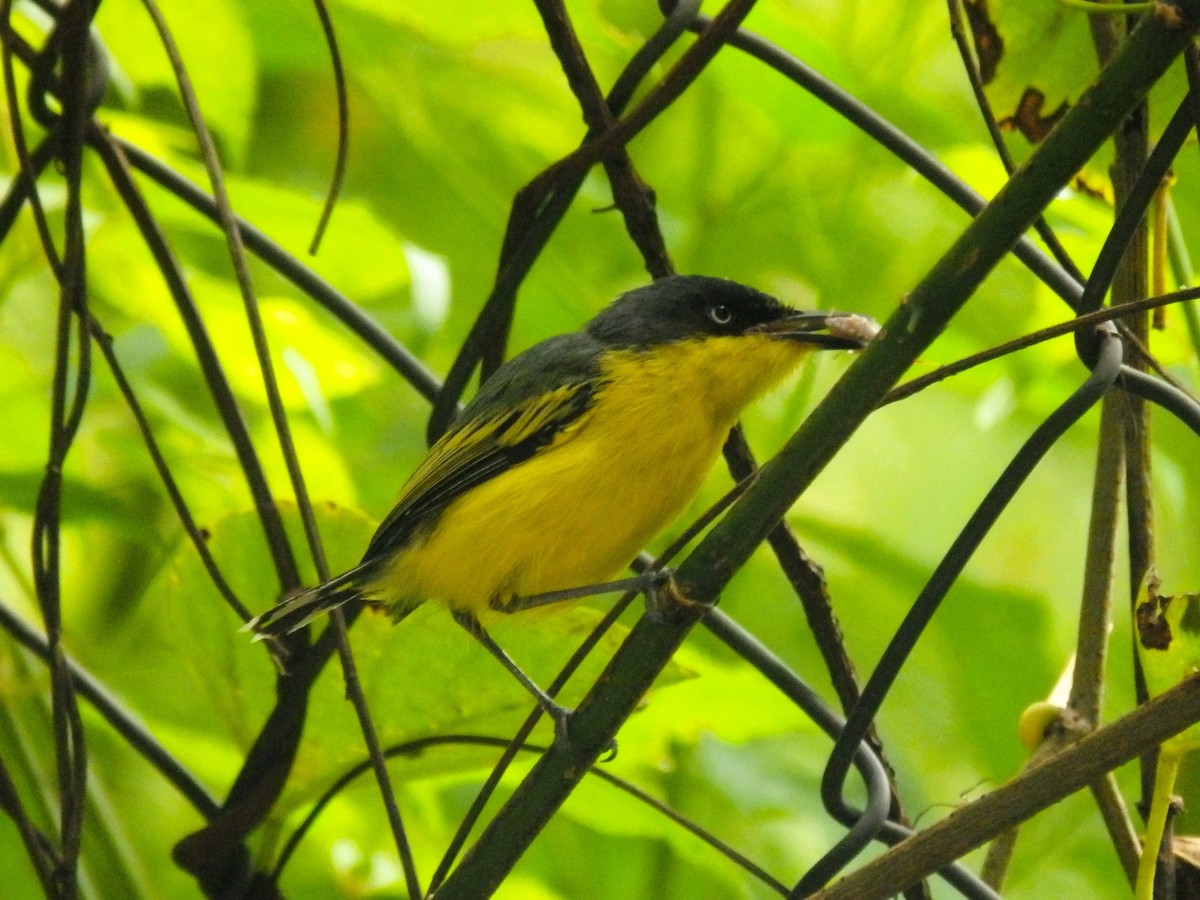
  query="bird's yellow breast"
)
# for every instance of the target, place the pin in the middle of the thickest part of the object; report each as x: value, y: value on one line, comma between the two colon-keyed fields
x: 580, y: 509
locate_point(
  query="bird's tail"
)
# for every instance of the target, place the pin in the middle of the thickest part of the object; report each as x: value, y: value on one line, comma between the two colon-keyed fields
x: 298, y: 610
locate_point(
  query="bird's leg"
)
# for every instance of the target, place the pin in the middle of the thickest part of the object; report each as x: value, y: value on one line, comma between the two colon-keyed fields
x: 650, y: 582
x: 560, y: 714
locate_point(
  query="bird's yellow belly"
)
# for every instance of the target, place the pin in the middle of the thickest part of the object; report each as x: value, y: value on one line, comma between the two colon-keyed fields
x: 578, y: 511
x: 576, y: 514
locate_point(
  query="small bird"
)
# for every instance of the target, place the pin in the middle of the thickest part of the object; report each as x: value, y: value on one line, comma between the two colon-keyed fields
x: 574, y: 454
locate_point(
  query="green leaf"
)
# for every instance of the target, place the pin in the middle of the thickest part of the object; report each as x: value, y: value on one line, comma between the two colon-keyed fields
x: 1168, y: 631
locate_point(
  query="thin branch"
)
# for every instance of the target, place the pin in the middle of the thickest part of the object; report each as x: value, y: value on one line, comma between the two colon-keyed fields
x: 29, y: 170
x: 1119, y: 824
x: 971, y: 67
x: 354, y: 693
x: 631, y: 195
x: 65, y: 416
x: 1070, y: 326
x: 199, y: 543
x: 343, y: 123
x: 285, y: 561
x: 38, y: 849
x: 1095, y: 607
x: 283, y: 433
x: 1137, y: 174
x: 224, y: 399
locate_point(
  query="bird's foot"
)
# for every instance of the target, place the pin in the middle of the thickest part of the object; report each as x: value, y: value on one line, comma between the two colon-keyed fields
x: 561, y: 716
x: 666, y: 602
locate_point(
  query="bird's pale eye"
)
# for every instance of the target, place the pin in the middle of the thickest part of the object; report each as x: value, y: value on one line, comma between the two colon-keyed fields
x: 721, y: 313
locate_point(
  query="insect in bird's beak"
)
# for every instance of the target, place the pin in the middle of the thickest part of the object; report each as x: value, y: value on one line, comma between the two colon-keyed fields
x: 827, y: 330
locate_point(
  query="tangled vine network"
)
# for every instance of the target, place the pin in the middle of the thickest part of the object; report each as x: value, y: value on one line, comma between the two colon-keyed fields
x: 67, y: 70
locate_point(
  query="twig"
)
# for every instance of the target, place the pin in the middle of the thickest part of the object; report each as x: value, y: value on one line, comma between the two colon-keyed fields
x: 975, y: 77
x: 1071, y: 326
x: 343, y: 123
x: 66, y: 413
x: 631, y: 195
x: 219, y: 387
x: 1117, y: 820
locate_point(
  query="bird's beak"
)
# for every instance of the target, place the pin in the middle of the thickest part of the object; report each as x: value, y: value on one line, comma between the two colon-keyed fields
x: 824, y: 330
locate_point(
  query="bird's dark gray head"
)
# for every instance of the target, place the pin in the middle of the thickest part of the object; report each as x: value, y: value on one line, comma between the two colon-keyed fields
x: 683, y: 307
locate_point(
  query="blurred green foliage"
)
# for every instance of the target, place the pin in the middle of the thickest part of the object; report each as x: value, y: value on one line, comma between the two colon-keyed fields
x: 452, y: 110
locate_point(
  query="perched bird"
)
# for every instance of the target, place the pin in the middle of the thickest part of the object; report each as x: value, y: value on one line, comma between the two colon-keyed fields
x: 574, y: 454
